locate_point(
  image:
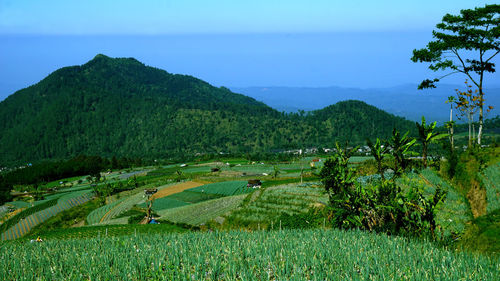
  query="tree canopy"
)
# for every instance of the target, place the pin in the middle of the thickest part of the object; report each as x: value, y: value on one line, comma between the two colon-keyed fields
x: 464, y: 43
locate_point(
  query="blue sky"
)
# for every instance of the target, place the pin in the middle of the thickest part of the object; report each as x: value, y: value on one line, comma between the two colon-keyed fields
x: 232, y: 43
x: 221, y: 16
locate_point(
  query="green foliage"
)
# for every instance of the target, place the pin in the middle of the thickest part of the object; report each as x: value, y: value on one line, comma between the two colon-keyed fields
x: 377, y: 205
x: 400, y: 146
x: 426, y: 134
x: 473, y: 31
x: 235, y: 255
x: 483, y: 234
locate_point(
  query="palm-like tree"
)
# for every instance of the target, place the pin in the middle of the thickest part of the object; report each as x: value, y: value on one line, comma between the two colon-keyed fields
x: 425, y: 135
x: 378, y: 151
x: 400, y: 146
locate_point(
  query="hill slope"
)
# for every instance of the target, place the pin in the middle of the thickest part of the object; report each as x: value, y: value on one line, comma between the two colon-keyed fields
x: 122, y: 107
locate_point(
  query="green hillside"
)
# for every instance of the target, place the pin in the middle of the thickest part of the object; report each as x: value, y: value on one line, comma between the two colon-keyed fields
x: 120, y: 107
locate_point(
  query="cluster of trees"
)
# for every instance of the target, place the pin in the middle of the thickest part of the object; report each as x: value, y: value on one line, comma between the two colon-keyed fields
x: 380, y: 204
x: 48, y: 171
x: 466, y: 44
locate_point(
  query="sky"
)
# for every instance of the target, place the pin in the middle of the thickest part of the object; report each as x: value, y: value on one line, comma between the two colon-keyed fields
x: 362, y: 44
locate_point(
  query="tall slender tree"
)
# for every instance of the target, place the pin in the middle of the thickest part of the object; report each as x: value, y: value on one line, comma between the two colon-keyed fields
x: 449, y: 125
x: 465, y: 43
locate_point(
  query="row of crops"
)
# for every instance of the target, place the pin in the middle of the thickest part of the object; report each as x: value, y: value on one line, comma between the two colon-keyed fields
x: 196, y: 214
x: 199, y: 194
x: 259, y: 255
x: 27, y: 223
x: 454, y: 212
x: 226, y: 188
x: 491, y: 181
x: 274, y: 201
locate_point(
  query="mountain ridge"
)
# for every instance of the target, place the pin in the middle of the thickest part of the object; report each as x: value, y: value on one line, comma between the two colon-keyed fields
x: 121, y: 107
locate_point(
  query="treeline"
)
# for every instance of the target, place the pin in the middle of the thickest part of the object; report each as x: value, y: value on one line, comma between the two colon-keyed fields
x: 82, y: 165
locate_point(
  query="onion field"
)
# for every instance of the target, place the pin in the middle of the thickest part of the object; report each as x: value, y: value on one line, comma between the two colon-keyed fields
x: 200, y: 213
x: 491, y: 181
x: 259, y: 255
x: 226, y: 188
x: 25, y: 225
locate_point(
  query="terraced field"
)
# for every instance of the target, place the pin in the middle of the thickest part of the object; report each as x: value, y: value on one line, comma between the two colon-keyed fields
x: 196, y: 214
x: 275, y: 200
x: 25, y: 225
x: 491, y: 180
x: 171, y: 189
x: 454, y: 212
x: 226, y: 188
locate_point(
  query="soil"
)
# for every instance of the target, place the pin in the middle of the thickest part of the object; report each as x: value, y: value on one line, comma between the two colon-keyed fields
x: 175, y: 189
x: 477, y: 199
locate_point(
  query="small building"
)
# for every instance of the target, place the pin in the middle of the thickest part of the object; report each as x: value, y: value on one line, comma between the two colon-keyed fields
x: 150, y: 191
x: 254, y: 184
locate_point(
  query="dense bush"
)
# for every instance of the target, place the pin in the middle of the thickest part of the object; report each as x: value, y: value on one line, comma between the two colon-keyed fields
x: 377, y: 205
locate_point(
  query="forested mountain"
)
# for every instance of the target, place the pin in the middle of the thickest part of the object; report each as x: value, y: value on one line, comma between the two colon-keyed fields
x: 120, y: 107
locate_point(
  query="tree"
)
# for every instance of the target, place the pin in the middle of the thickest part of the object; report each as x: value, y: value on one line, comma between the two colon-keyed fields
x: 378, y: 151
x: 467, y: 105
x: 426, y: 134
x: 400, y: 146
x: 449, y: 125
x: 466, y: 44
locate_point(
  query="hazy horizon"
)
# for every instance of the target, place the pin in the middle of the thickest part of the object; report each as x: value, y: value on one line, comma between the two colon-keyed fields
x: 358, y: 44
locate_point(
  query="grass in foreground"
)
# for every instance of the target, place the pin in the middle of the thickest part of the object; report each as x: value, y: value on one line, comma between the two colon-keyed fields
x: 261, y: 255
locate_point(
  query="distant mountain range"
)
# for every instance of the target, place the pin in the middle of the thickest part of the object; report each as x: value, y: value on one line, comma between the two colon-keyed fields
x: 404, y: 100
x: 121, y: 107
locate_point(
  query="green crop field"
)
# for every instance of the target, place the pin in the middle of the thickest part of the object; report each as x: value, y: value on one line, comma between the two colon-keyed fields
x: 122, y: 206
x: 96, y: 215
x: 491, y: 181
x: 164, y: 203
x: 199, y: 213
x: 270, y: 203
x: 260, y: 255
x: 193, y: 197
x: 26, y: 224
x: 454, y: 213
x: 226, y: 188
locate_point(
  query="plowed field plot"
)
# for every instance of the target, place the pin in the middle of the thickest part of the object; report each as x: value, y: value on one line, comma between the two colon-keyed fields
x: 175, y: 189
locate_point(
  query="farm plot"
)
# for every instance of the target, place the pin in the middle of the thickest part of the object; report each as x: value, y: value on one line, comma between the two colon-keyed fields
x: 18, y: 204
x: 164, y: 203
x: 25, y: 225
x: 122, y: 206
x: 192, y: 197
x: 176, y: 188
x: 273, y: 201
x: 96, y: 215
x: 491, y: 180
x: 226, y: 188
x: 258, y: 255
x: 199, y: 213
x: 454, y: 212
